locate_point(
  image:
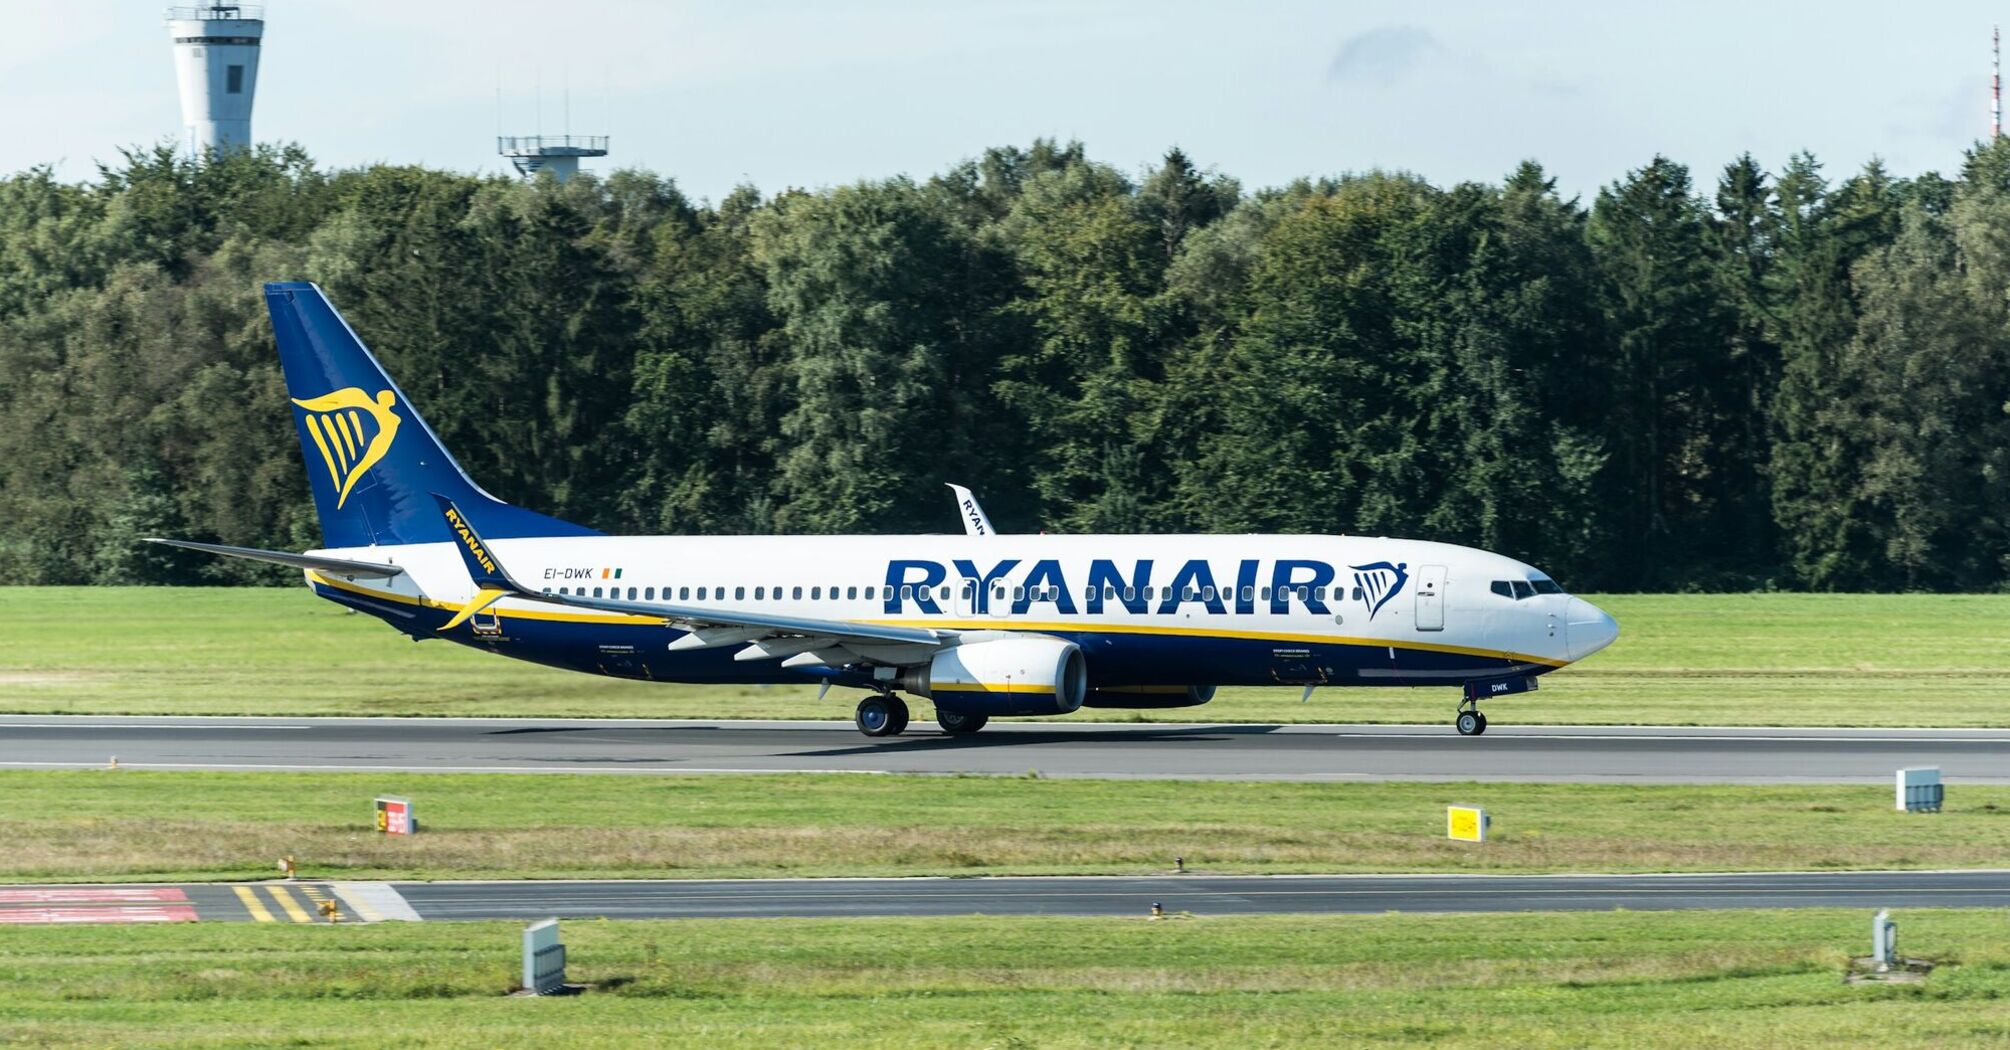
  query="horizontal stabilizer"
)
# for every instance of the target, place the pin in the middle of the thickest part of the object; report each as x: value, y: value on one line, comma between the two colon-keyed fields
x: 336, y: 566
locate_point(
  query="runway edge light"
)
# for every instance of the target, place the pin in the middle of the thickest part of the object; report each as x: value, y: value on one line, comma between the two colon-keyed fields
x: 1466, y: 823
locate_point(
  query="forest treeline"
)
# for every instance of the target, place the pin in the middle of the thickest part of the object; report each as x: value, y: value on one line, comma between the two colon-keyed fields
x: 1790, y: 379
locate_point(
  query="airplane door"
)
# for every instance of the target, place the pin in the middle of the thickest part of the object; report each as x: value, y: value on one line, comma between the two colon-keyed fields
x: 966, y: 599
x: 1431, y: 598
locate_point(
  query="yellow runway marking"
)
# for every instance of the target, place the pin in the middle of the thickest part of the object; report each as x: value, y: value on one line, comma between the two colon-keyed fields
x: 252, y: 904
x: 362, y: 908
x: 287, y: 901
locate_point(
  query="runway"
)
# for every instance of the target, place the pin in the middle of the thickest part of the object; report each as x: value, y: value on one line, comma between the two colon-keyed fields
x: 1059, y: 749
x: 1092, y: 896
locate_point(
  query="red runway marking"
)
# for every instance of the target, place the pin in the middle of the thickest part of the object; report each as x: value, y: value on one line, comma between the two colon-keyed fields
x: 90, y: 895
x: 104, y: 914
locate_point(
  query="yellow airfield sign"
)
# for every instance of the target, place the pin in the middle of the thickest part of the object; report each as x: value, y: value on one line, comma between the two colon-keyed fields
x: 1466, y: 823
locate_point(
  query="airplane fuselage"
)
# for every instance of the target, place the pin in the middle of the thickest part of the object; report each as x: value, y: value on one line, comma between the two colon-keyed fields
x: 1145, y: 610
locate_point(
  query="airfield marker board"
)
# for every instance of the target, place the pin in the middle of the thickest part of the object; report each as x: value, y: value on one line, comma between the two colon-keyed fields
x: 394, y: 816
x: 1466, y: 823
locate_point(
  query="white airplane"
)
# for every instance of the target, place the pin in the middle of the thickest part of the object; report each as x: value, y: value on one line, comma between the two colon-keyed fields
x: 983, y: 625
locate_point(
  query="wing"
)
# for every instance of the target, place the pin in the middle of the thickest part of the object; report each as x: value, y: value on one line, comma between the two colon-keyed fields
x: 798, y: 641
x: 795, y: 640
x: 975, y: 522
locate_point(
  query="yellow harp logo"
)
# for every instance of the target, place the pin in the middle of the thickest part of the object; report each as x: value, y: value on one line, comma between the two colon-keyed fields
x: 352, y: 431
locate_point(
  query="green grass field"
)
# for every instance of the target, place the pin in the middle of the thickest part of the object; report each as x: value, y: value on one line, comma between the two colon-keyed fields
x: 1717, y: 979
x: 1762, y: 659
x: 130, y: 825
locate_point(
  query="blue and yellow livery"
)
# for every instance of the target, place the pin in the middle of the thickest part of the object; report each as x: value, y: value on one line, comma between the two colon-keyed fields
x: 984, y: 625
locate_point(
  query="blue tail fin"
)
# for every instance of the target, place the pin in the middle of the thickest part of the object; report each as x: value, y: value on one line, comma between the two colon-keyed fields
x: 373, y: 464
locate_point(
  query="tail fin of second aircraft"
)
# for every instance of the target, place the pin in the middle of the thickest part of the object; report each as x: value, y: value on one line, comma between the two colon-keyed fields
x: 373, y: 464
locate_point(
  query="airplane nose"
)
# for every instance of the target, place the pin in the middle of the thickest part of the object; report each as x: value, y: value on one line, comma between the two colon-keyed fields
x: 1587, y: 628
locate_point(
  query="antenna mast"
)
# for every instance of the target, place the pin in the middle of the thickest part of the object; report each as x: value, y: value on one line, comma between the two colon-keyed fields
x: 1995, y: 83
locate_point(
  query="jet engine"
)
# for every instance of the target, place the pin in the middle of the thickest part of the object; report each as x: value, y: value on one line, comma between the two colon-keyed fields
x: 1005, y: 676
x: 1137, y: 697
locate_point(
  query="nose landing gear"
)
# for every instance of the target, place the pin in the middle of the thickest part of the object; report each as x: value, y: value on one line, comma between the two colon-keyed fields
x: 1470, y: 721
x: 881, y: 714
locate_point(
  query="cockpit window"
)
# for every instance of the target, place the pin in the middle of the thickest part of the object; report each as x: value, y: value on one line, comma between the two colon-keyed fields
x: 1501, y: 588
x: 1522, y: 589
x: 1544, y: 585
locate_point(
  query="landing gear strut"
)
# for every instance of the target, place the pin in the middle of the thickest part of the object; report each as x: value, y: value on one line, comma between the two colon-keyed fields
x: 881, y: 714
x: 957, y: 724
x: 1470, y: 721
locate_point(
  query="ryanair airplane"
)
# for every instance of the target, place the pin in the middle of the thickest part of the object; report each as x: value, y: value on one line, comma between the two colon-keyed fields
x: 982, y: 625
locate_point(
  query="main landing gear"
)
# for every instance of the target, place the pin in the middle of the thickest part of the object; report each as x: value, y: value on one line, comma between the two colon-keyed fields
x: 959, y: 725
x: 1470, y: 721
x: 881, y: 714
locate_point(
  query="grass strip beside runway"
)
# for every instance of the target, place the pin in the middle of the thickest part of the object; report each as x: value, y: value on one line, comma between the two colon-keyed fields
x: 127, y: 825
x: 1745, y: 659
x: 1751, y: 979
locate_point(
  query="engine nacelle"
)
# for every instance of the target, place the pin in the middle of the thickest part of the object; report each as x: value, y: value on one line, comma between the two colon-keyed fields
x: 1005, y: 676
x: 1139, y: 697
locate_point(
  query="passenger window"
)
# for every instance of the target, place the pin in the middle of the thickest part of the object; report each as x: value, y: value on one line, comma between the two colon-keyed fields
x: 816, y: 593
x: 1522, y: 590
x: 868, y: 594
x: 565, y: 590
x: 1248, y: 593
x: 797, y: 595
x: 907, y: 594
x: 739, y: 594
x: 1187, y: 595
x: 1266, y: 594
x: 851, y: 592
x: 760, y: 593
x: 1207, y: 593
x: 683, y: 593
x: 1357, y: 594
x: 1130, y: 594
x: 596, y: 592
x: 998, y: 594
x: 1018, y: 594
x: 631, y: 594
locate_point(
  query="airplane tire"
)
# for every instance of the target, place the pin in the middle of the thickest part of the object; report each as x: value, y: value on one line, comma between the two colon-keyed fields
x: 1483, y: 722
x: 1470, y: 723
x: 958, y: 724
x: 880, y: 716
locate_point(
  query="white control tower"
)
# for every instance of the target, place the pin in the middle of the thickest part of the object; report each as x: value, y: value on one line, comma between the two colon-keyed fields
x: 216, y: 64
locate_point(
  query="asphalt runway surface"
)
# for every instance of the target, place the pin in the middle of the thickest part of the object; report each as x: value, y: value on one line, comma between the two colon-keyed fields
x: 1060, y: 749
x: 1084, y: 896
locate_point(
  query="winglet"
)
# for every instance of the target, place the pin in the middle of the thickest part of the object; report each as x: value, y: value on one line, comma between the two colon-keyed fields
x: 974, y: 521
x: 492, y: 583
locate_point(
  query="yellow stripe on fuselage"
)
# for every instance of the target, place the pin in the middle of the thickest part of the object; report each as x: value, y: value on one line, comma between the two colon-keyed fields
x: 1154, y: 630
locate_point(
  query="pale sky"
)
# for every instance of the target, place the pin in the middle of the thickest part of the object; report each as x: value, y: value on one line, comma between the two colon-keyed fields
x: 798, y: 94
